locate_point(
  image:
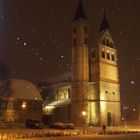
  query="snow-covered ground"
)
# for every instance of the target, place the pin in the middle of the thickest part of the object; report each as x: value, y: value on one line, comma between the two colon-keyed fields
x: 99, y: 137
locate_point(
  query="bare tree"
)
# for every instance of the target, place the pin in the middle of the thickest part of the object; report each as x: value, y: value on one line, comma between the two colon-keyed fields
x: 4, y: 80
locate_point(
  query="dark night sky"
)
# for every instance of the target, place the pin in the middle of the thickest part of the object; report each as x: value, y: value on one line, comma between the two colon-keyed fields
x: 36, y: 41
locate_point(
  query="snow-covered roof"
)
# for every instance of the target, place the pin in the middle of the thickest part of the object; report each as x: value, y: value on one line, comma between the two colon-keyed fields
x: 64, y: 77
x: 57, y: 103
x: 22, y: 89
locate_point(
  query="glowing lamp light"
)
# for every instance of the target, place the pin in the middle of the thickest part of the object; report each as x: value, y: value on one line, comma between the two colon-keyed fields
x: 84, y: 113
x: 134, y: 109
x: 122, y: 118
x: 24, y: 105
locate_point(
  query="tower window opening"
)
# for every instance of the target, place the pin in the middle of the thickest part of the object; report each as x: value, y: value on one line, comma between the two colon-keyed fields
x: 103, y: 54
x: 107, y: 42
x: 104, y: 42
x: 69, y: 93
x: 113, y: 93
x: 106, y: 92
x: 111, y: 44
x: 93, y: 54
x: 113, y: 57
x: 108, y: 56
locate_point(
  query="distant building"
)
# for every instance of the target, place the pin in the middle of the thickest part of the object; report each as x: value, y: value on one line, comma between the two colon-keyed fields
x: 90, y: 94
x: 23, y: 102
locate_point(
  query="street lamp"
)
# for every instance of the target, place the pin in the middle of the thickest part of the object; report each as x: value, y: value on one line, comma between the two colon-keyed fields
x: 24, y: 105
x: 84, y: 114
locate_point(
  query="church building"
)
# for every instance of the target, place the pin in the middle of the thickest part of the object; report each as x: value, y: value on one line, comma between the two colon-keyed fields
x: 90, y: 93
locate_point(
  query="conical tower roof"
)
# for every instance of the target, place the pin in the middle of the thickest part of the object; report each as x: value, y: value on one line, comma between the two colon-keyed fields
x: 80, y: 13
x: 104, y: 24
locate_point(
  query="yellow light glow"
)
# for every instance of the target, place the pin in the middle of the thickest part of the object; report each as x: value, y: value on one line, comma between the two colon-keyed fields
x: 84, y: 113
x: 122, y: 118
x: 103, y: 106
x: 24, y: 105
x: 49, y: 107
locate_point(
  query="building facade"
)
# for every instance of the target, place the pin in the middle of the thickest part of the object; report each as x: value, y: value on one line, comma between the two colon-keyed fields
x: 92, y: 93
x: 24, y: 102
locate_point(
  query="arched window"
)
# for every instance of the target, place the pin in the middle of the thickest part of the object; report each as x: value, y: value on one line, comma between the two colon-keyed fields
x: 111, y: 44
x: 108, y: 56
x: 107, y: 42
x: 113, y: 57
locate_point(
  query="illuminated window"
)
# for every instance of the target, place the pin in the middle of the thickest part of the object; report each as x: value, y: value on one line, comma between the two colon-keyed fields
x: 112, y: 57
x: 66, y: 95
x: 48, y: 109
x: 108, y: 56
x: 103, y: 54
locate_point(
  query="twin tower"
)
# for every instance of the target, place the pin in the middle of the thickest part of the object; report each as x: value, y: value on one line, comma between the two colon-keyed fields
x: 95, y: 83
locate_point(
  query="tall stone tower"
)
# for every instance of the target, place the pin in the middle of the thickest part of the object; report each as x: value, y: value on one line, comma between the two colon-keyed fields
x: 80, y: 66
x: 105, y: 77
x: 95, y: 78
